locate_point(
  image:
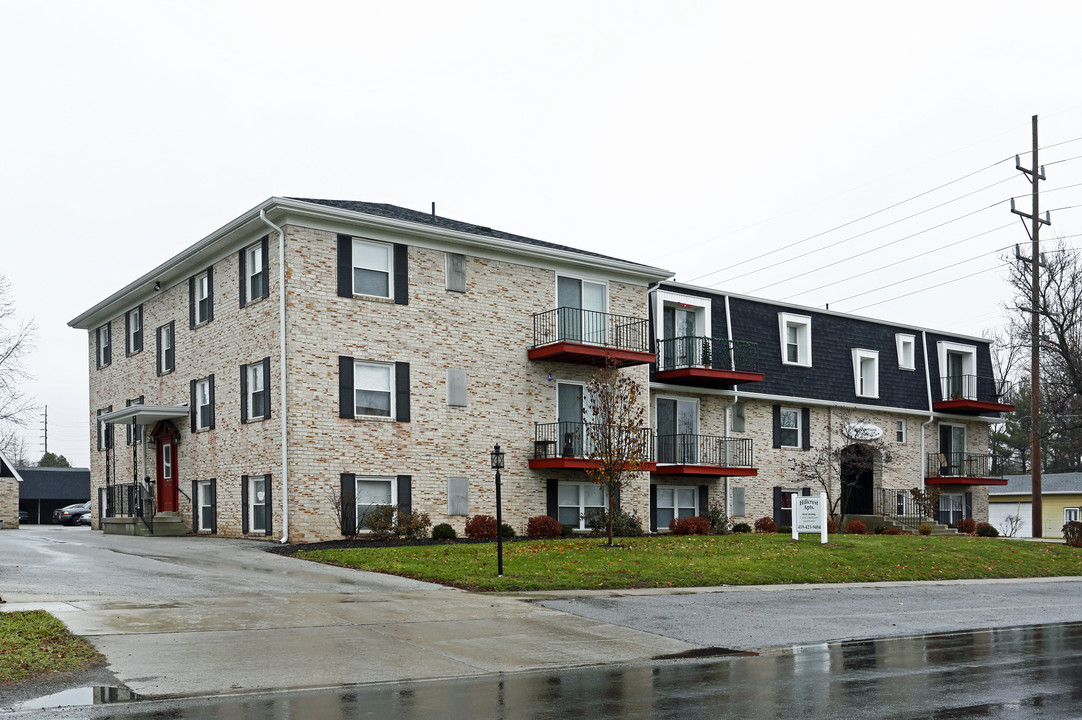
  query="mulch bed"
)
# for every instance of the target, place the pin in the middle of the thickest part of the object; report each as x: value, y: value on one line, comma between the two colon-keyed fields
x: 365, y: 543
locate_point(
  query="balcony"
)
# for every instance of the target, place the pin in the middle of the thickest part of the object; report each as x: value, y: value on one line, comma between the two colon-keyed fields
x: 588, y: 337
x: 972, y: 395
x: 961, y: 468
x: 575, y: 446
x: 704, y: 456
x: 707, y: 362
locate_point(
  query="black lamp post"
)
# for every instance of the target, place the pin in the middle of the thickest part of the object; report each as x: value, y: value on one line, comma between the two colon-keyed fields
x: 497, y: 465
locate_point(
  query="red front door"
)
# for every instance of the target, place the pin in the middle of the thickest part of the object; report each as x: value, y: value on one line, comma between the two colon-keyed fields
x: 166, y: 462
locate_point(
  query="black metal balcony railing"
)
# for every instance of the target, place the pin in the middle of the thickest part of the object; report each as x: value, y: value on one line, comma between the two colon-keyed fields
x: 582, y: 440
x: 686, y: 449
x: 972, y: 387
x: 566, y: 324
x: 707, y: 352
x: 964, y: 464
x: 900, y: 505
x: 130, y: 500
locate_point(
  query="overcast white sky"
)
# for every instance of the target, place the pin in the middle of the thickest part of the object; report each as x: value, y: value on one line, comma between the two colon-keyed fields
x: 691, y: 135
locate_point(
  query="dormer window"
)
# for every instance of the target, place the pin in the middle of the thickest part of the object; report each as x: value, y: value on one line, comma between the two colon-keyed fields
x: 907, y: 351
x: 866, y: 373
x: 795, y: 339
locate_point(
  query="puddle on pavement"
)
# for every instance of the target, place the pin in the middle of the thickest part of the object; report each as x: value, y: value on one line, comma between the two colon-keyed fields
x: 94, y: 695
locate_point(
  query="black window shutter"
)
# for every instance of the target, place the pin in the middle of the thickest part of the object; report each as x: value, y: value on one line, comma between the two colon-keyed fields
x: 402, y: 391
x: 345, y: 387
x: 704, y: 498
x: 267, y: 504
x: 266, y: 388
x: 127, y: 426
x: 969, y: 504
x: 552, y: 499
x: 243, y: 394
x: 109, y: 431
x: 214, y: 507
x: 210, y: 294
x: 100, y: 432
x: 806, y: 492
x: 170, y: 357
x: 244, y: 504
x: 212, y: 401
x: 195, y: 506
x: 805, y: 428
x: 653, y: 508
x: 401, y: 274
x: 777, y: 426
x: 158, y: 360
x: 191, y: 301
x: 345, y: 267
x: 405, y: 497
x: 192, y: 410
x: 777, y: 506
x: 242, y: 262
x: 349, y: 504
x: 127, y: 333
x: 264, y: 247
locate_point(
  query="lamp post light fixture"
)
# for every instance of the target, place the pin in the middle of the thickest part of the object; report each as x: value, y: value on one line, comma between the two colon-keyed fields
x: 497, y: 465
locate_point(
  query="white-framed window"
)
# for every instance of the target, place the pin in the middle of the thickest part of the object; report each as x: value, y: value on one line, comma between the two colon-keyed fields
x: 957, y: 370
x: 256, y: 395
x: 166, y: 355
x: 951, y: 508
x: 795, y: 339
x: 204, y: 407
x: 202, y: 297
x: 1070, y: 515
x: 105, y: 345
x: 135, y: 432
x: 456, y: 272
x: 373, y: 492
x: 899, y: 431
x: 790, y: 427
x: 254, y: 262
x: 257, y: 503
x: 134, y: 323
x: 675, y: 501
x: 373, y: 264
x: 373, y: 389
x: 581, y: 313
x: 207, y: 502
x: 575, y: 500
x: 866, y: 372
x: 739, y: 417
x: 677, y: 423
x: 907, y: 351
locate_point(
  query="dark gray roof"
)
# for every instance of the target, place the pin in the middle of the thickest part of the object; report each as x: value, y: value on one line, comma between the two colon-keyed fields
x: 400, y: 213
x: 54, y: 483
x: 1050, y: 482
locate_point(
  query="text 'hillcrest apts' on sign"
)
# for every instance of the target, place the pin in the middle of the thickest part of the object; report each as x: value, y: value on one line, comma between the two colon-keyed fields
x: 810, y: 515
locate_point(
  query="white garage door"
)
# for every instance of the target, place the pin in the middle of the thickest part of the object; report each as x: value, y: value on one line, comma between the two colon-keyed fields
x: 998, y: 512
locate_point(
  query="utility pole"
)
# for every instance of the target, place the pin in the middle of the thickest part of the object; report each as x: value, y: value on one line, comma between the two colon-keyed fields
x: 46, y: 421
x: 1035, y: 175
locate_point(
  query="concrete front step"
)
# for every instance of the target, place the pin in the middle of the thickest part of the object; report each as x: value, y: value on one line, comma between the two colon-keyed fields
x: 164, y: 524
x: 875, y: 521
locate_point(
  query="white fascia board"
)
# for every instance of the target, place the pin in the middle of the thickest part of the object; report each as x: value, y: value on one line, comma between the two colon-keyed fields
x: 243, y: 230
x: 10, y: 466
x: 784, y: 307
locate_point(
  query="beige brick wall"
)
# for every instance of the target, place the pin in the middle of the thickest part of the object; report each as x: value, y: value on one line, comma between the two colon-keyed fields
x: 9, y: 502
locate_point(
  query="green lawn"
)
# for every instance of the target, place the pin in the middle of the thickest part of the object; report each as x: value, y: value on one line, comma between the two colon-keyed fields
x: 692, y: 561
x: 35, y: 642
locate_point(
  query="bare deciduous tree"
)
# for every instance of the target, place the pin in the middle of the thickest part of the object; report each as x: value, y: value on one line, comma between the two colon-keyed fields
x: 16, y: 340
x: 617, y: 436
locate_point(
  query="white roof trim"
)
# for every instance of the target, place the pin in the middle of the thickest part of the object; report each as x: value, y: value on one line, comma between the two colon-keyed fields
x: 143, y: 414
x: 10, y: 466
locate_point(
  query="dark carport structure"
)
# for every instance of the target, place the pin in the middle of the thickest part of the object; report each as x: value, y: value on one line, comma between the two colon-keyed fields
x: 45, y: 489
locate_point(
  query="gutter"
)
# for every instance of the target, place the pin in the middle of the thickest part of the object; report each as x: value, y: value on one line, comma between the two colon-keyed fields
x: 732, y: 405
x: 282, y: 369
x: 931, y: 414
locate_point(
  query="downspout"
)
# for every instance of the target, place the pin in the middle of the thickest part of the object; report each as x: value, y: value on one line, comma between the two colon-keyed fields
x: 282, y: 370
x: 736, y: 399
x: 931, y: 414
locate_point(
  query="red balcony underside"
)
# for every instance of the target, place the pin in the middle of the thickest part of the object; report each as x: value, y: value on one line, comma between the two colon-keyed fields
x: 963, y: 480
x: 570, y: 463
x: 705, y: 471
x: 571, y: 352
x: 708, y: 377
x: 974, y: 407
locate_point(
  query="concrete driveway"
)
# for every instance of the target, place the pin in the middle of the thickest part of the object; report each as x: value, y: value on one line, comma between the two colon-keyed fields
x: 195, y: 615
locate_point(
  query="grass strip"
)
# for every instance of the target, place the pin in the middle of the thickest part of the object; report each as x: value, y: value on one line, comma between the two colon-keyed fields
x: 33, y: 642
x: 692, y: 561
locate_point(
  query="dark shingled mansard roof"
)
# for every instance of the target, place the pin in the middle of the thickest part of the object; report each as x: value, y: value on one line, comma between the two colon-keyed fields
x: 400, y: 213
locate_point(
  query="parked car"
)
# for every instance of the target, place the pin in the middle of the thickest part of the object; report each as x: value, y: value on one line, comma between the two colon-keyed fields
x: 70, y: 515
x: 83, y: 519
x: 24, y: 517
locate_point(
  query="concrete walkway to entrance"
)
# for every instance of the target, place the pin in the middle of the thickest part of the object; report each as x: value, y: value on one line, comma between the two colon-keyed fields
x: 194, y: 615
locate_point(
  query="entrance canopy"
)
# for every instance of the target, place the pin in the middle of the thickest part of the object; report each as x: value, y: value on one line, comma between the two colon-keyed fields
x: 144, y: 414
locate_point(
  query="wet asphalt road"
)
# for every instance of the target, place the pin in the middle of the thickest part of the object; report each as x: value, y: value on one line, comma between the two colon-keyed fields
x: 1031, y: 672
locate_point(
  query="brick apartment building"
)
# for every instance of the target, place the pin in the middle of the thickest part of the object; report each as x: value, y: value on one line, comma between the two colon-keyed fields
x: 406, y: 345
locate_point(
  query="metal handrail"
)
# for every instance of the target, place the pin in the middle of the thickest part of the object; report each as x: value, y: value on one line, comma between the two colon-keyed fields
x: 130, y: 500
x: 568, y: 324
x: 964, y: 464
x: 899, y: 505
x: 707, y: 352
x: 973, y: 387
x: 688, y: 449
x: 577, y: 440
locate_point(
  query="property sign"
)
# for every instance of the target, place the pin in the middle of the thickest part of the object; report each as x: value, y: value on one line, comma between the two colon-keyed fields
x: 810, y: 515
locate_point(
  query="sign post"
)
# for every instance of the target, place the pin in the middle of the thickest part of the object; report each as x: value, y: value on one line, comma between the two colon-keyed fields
x: 810, y: 516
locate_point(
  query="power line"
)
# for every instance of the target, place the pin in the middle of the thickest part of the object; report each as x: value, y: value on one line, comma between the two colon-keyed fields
x: 930, y: 287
